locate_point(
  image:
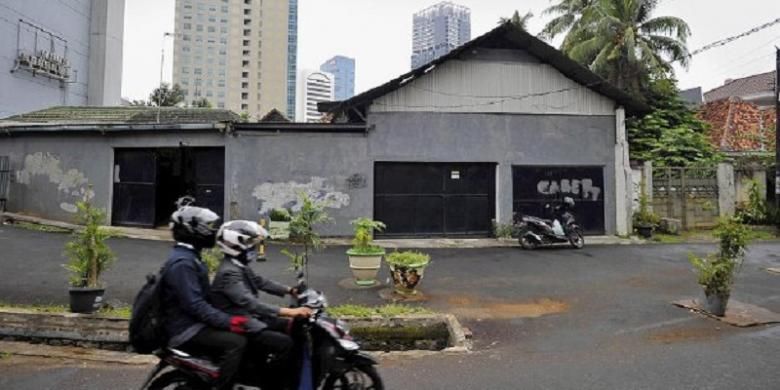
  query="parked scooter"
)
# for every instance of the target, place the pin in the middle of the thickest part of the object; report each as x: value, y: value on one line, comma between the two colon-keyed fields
x: 534, y: 232
x: 329, y: 357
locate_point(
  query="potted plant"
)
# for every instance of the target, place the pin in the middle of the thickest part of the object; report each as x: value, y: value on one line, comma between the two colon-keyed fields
x: 88, y: 255
x: 407, y: 269
x: 716, y: 272
x: 302, y: 232
x: 279, y: 224
x: 645, y: 221
x: 365, y: 258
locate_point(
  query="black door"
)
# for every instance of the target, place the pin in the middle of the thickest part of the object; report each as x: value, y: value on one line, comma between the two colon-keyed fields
x: 419, y: 199
x: 535, y: 186
x: 209, y: 177
x: 135, y: 182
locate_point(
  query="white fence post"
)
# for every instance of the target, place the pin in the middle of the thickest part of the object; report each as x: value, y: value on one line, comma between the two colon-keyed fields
x: 727, y: 191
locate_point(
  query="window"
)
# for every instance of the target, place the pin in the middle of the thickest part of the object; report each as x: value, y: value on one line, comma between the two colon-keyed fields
x: 198, y: 71
x: 245, y: 74
x: 221, y: 83
x: 212, y: 29
x: 187, y: 17
x: 185, y: 49
x: 246, y: 42
x: 244, y: 95
x: 224, y: 9
x: 247, y: 2
x: 199, y: 28
x: 185, y: 37
x: 185, y: 70
x: 221, y: 105
x: 247, y: 22
x: 185, y: 82
x: 245, y: 52
x: 212, y: 19
x: 188, y: 26
x: 247, y: 32
x: 244, y: 85
x: 245, y: 63
x: 244, y: 107
x: 247, y: 11
x: 223, y: 30
x: 209, y: 94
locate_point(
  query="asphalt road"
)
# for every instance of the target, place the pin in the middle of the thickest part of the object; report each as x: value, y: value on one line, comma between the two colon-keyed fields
x: 597, y: 318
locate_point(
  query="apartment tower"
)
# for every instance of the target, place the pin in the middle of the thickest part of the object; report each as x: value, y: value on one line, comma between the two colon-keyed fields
x: 238, y: 54
x: 437, y: 30
x: 314, y: 86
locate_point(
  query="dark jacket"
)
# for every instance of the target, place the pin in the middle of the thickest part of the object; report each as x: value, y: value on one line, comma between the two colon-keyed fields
x: 186, y: 297
x: 236, y: 288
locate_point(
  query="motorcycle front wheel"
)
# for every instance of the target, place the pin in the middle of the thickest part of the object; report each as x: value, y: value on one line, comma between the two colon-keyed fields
x: 527, y: 242
x: 173, y: 380
x: 363, y: 377
x: 576, y: 239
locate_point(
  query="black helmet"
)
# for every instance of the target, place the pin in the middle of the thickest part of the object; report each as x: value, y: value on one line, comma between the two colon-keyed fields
x: 193, y: 225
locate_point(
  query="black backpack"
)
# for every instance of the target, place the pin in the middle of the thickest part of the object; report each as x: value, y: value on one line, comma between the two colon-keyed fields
x: 147, y: 333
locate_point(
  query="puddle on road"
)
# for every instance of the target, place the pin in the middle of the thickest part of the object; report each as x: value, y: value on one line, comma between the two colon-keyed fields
x: 473, y: 307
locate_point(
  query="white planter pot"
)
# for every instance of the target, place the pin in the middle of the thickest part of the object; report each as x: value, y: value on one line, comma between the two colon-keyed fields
x: 365, y: 268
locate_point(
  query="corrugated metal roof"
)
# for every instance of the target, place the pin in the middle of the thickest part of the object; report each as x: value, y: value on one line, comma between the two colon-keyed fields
x: 69, y: 115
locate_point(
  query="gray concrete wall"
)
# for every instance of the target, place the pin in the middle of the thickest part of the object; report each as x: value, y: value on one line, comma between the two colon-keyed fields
x: 501, y: 138
x: 21, y: 91
x: 269, y: 170
x: 50, y: 173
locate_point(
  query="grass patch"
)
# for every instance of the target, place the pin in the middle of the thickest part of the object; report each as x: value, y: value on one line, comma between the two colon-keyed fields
x: 40, y: 228
x: 116, y: 312
x: 4, y: 355
x: 390, y: 310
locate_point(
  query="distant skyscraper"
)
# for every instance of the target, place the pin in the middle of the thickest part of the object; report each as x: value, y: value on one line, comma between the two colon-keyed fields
x: 238, y: 54
x: 314, y: 86
x: 437, y: 30
x: 343, y: 68
x: 292, y: 57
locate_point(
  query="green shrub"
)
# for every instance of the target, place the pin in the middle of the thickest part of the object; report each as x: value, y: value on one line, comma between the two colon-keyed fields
x: 755, y: 211
x: 503, y: 230
x: 362, y: 243
x: 88, y: 253
x: 716, y: 272
x: 408, y: 259
x: 280, y: 215
x: 302, y: 231
x: 644, y: 217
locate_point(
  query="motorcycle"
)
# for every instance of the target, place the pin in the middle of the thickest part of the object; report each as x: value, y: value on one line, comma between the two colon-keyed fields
x: 534, y: 232
x: 329, y: 357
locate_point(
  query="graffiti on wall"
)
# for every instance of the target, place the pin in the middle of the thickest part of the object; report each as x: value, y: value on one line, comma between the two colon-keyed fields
x: 285, y: 194
x: 72, y: 183
x: 583, y: 188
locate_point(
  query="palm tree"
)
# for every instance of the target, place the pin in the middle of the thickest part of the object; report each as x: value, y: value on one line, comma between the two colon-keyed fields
x: 567, y: 14
x: 517, y: 20
x: 619, y: 40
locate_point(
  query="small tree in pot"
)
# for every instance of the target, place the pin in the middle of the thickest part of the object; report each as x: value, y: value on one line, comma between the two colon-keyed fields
x: 365, y: 258
x: 89, y: 255
x: 716, y: 272
x: 303, y: 233
x: 645, y: 221
x: 407, y: 269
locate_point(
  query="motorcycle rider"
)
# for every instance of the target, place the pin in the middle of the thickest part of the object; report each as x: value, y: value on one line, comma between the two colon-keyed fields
x: 236, y: 288
x: 192, y: 323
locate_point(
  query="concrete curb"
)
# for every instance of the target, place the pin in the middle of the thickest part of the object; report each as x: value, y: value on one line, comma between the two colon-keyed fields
x: 403, y: 333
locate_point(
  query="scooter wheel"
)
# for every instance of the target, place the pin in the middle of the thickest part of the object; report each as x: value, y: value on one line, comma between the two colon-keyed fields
x: 576, y: 239
x: 527, y: 242
x: 363, y: 377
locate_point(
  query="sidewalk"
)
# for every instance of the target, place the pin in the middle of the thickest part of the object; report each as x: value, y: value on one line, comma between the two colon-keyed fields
x: 163, y: 234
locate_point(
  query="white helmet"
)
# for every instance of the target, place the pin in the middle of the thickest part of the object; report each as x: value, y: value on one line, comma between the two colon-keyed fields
x: 237, y: 238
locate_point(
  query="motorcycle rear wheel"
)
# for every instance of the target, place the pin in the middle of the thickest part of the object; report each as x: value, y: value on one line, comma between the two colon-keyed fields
x: 173, y: 380
x: 363, y: 377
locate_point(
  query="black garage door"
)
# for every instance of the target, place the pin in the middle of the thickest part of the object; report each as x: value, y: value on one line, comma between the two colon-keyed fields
x: 424, y: 199
x: 535, y: 186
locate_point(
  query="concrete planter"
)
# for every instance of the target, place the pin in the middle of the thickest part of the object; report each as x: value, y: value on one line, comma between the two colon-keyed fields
x: 412, y: 332
x: 715, y: 304
x: 406, y: 278
x: 365, y: 267
x: 279, y: 230
x: 85, y: 300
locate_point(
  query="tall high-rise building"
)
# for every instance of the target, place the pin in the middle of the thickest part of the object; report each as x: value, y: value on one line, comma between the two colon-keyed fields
x: 314, y: 86
x: 66, y: 53
x: 437, y: 30
x: 292, y: 57
x: 343, y: 69
x: 238, y: 54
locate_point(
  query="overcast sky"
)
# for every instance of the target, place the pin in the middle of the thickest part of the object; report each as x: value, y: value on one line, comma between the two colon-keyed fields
x: 377, y: 33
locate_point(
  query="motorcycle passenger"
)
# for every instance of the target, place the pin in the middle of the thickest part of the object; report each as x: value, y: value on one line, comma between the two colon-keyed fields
x: 192, y: 323
x: 236, y: 288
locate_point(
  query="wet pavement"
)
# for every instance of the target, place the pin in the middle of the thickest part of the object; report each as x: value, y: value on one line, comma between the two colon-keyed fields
x: 597, y: 318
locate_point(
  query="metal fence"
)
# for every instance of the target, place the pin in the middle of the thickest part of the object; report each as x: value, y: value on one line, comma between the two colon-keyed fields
x: 687, y: 194
x: 5, y: 180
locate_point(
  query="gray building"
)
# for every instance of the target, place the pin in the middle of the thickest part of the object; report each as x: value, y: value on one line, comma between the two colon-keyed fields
x: 432, y: 152
x: 343, y: 69
x: 437, y: 30
x: 60, y: 53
